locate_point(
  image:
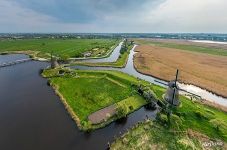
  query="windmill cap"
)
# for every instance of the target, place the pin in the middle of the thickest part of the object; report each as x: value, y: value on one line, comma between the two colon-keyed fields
x: 172, y: 84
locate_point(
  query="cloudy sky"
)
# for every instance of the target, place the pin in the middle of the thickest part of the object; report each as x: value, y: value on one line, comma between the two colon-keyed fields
x: 113, y: 16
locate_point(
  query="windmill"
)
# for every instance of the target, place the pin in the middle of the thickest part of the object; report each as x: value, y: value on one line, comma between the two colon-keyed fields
x: 126, y: 40
x: 172, y: 92
x: 54, y: 62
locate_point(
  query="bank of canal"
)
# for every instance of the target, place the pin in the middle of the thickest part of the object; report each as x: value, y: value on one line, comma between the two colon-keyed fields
x: 33, y: 117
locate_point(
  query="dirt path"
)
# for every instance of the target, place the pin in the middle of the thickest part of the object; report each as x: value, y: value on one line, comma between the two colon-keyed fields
x: 102, y: 114
x: 204, y: 70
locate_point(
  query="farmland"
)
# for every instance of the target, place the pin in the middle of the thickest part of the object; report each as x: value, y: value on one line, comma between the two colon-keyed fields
x: 205, y: 70
x: 59, y: 47
x: 207, y: 48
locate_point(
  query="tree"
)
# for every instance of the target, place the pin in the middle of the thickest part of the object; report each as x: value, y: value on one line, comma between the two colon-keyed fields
x: 150, y: 98
x: 149, y: 95
x: 124, y: 46
x: 64, y: 57
x: 121, y: 111
x: 140, y: 89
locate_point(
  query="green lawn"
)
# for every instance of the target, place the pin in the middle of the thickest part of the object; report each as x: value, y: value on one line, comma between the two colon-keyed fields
x: 69, y: 47
x: 89, y: 94
x: 203, y: 118
x: 89, y: 91
x: 150, y: 135
x: 192, y: 124
x: 193, y: 48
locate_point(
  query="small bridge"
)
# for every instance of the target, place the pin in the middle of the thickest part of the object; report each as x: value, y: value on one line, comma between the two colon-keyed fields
x: 14, y: 62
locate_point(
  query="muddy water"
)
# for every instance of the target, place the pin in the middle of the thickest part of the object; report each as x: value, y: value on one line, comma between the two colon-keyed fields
x: 129, y: 69
x: 33, y: 117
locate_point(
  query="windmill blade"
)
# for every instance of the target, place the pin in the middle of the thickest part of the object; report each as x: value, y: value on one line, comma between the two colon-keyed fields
x: 173, y: 96
x: 190, y: 93
x: 176, y: 77
x: 161, y: 82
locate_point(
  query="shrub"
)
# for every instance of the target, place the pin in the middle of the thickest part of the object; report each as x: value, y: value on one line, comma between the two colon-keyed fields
x: 160, y: 103
x: 121, y: 111
x: 162, y: 118
x: 131, y: 107
x: 175, y: 121
x: 123, y: 49
x: 64, y: 57
x: 87, y: 125
x: 149, y: 96
x: 181, y: 114
x: 61, y: 71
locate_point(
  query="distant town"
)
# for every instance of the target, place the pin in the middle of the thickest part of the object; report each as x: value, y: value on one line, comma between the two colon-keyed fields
x: 184, y: 36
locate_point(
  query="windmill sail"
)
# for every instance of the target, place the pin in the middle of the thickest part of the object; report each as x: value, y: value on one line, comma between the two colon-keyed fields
x: 176, y: 77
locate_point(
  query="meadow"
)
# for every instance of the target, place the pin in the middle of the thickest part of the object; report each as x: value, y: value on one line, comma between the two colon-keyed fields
x: 59, y: 47
x: 86, y: 92
x: 192, y: 125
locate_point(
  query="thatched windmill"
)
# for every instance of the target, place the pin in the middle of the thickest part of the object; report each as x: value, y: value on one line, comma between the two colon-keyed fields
x: 54, y: 62
x: 172, y: 92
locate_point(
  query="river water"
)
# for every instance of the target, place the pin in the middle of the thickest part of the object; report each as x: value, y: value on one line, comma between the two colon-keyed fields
x: 33, y: 117
x: 11, y: 57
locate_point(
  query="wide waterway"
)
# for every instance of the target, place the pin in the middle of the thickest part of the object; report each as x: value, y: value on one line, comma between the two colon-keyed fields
x: 33, y: 117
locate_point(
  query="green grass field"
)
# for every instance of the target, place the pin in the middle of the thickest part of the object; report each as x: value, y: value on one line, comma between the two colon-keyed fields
x: 89, y: 91
x: 202, y: 118
x: 193, y: 48
x: 150, y: 135
x: 69, y: 47
x: 192, y: 124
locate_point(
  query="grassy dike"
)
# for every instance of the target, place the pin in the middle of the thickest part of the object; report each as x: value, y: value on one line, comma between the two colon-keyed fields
x: 85, y: 92
x: 120, y: 63
x: 193, y: 126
